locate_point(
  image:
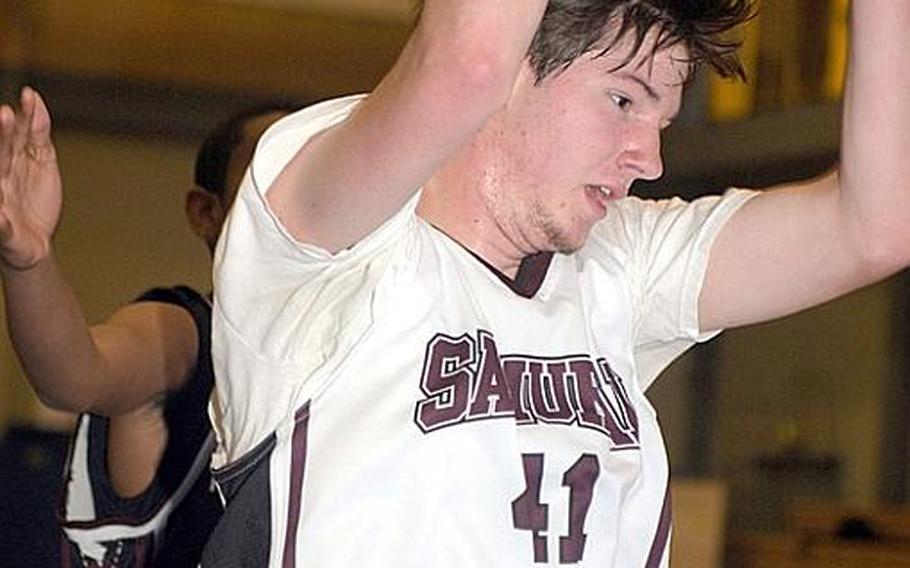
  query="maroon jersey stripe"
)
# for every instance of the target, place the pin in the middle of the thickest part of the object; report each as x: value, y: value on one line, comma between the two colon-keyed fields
x: 298, y: 465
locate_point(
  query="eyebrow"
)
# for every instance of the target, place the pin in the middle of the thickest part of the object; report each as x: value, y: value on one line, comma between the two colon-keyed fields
x: 649, y: 90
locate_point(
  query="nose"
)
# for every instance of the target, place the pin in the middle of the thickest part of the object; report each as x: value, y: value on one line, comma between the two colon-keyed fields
x: 642, y: 152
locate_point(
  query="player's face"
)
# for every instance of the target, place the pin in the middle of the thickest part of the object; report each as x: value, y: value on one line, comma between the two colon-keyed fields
x: 575, y: 143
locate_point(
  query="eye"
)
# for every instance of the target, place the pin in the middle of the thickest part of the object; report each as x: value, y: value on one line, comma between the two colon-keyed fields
x: 623, y: 102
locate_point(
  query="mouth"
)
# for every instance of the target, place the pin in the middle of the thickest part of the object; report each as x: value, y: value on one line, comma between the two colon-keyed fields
x: 600, y: 196
x: 606, y: 191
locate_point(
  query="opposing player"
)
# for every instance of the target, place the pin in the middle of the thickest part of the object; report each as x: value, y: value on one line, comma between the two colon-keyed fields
x: 138, y: 490
x: 437, y: 309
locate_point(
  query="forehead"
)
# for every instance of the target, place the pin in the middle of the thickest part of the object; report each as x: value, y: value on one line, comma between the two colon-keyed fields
x: 666, y: 66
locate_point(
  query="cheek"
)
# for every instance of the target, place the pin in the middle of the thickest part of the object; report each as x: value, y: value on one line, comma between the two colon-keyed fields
x: 588, y: 138
x: 601, y: 131
x: 559, y: 143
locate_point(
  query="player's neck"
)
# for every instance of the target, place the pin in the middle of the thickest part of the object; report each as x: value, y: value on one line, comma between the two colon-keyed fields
x: 458, y: 212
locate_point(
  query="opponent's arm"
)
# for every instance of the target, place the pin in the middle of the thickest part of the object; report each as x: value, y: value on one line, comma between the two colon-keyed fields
x: 134, y: 357
x: 803, y: 244
x: 456, y: 70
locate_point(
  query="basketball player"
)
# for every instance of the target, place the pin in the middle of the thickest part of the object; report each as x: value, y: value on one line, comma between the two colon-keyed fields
x: 437, y: 308
x: 138, y: 491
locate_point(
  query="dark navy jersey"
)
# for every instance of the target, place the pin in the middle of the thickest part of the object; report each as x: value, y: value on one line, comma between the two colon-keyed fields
x: 168, y: 524
x: 242, y: 539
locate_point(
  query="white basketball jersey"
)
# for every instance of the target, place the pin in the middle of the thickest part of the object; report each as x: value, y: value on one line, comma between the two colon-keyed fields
x: 427, y: 412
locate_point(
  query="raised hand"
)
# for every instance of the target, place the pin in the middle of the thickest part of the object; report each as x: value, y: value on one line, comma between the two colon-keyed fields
x: 31, y: 193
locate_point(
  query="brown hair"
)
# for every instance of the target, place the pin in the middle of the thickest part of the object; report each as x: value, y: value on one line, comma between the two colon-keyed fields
x: 572, y: 28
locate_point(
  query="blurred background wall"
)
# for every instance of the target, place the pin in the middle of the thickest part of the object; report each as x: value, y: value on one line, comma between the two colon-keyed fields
x: 809, y: 407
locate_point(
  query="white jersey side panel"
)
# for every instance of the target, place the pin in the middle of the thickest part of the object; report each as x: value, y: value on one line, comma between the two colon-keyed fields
x: 426, y: 414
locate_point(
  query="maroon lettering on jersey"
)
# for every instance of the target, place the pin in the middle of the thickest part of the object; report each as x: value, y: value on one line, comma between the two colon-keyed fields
x: 516, y: 374
x: 546, y: 383
x: 492, y: 395
x: 466, y: 379
x: 448, y: 371
x: 628, y: 419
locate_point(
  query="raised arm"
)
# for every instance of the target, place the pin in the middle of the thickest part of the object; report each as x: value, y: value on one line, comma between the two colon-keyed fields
x: 131, y: 359
x: 456, y: 70
x: 800, y: 245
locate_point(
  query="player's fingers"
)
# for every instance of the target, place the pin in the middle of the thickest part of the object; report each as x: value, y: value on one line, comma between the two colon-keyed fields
x: 23, y: 119
x: 31, y: 128
x: 41, y: 119
x: 5, y: 223
x: 7, y: 122
x: 39, y: 145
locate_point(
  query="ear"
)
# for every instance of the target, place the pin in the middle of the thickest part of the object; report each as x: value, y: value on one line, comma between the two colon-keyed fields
x: 205, y: 214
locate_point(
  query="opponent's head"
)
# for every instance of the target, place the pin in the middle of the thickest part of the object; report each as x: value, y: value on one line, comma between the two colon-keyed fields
x: 220, y: 164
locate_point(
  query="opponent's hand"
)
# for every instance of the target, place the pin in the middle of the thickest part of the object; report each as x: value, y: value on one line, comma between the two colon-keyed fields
x: 31, y: 193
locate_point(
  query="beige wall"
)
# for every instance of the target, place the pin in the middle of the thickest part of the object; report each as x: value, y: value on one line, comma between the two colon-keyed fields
x: 817, y: 381
x: 123, y: 230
